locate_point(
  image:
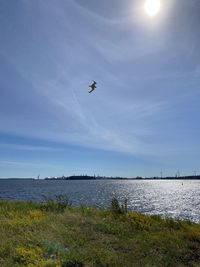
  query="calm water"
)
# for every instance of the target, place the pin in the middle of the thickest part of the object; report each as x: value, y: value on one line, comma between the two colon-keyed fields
x: 167, y: 198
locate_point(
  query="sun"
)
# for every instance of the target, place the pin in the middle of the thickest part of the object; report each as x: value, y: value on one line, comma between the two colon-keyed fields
x: 152, y: 7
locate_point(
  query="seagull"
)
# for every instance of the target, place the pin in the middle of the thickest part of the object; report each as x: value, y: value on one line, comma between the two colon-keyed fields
x: 93, y: 86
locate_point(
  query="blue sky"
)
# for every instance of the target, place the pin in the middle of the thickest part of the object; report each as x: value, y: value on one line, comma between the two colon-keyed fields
x: 144, y: 116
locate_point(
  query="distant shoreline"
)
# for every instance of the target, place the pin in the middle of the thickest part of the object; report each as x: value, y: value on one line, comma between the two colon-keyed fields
x: 86, y: 177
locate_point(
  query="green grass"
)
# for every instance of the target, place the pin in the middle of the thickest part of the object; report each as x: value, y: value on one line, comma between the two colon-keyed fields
x: 34, y: 235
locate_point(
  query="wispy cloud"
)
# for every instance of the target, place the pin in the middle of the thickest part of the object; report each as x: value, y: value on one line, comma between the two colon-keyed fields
x: 19, y: 163
x: 29, y: 147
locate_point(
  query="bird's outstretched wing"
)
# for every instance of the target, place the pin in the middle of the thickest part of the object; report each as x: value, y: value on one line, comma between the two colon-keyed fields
x: 91, y: 90
x: 93, y: 84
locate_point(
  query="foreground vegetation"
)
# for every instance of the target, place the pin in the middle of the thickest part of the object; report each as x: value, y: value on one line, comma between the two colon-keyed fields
x: 56, y: 234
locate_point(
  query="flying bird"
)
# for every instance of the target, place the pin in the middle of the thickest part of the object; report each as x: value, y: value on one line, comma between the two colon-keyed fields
x: 93, y: 86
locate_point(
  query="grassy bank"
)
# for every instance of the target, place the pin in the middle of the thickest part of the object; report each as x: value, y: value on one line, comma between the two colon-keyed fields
x: 36, y: 235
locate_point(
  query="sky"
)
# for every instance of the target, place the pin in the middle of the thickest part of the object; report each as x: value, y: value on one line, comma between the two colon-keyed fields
x: 143, y: 118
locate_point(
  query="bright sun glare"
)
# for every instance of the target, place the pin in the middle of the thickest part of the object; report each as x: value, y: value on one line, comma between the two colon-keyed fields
x: 152, y: 7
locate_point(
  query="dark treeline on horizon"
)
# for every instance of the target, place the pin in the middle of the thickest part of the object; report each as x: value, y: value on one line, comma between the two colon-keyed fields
x: 88, y: 177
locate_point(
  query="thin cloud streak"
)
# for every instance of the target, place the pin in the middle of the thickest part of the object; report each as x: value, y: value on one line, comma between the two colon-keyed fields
x: 29, y: 147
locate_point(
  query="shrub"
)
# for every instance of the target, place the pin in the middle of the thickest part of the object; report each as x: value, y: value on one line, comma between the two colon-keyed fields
x: 116, y: 207
x: 30, y: 257
x: 59, y: 203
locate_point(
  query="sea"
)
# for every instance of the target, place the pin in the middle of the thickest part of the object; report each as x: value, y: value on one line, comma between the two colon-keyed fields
x: 178, y: 199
